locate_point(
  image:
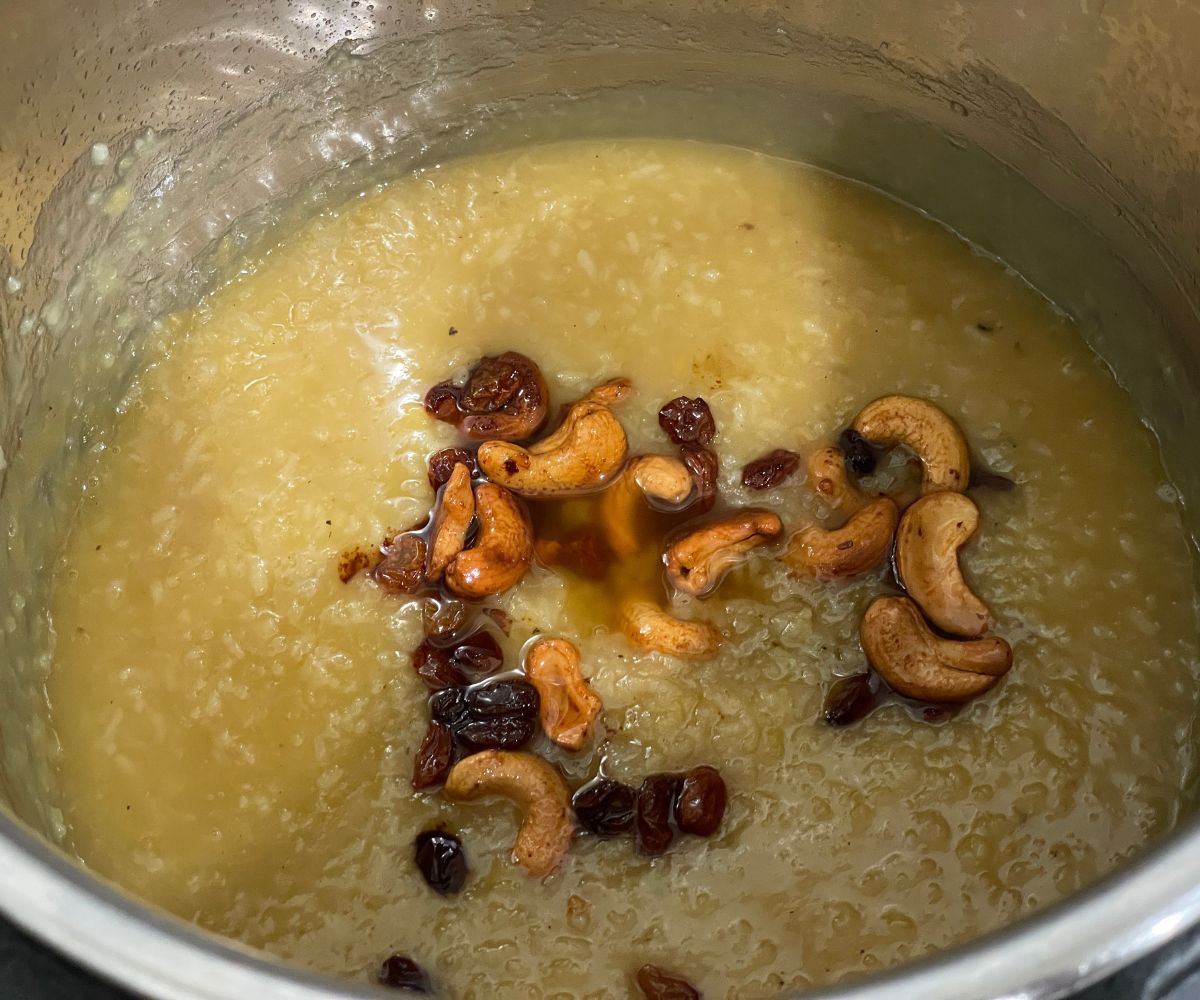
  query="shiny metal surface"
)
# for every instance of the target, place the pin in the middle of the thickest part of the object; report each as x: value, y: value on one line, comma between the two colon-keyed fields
x: 1063, y: 135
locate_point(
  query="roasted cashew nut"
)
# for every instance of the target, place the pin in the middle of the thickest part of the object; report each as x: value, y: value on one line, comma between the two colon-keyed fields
x: 861, y: 544
x: 927, y: 542
x: 661, y: 478
x: 610, y: 393
x: 451, y: 522
x: 919, y: 664
x: 647, y: 626
x: 568, y: 706
x: 699, y: 560
x: 926, y: 430
x: 536, y: 787
x: 828, y: 479
x: 502, y: 553
x: 584, y: 453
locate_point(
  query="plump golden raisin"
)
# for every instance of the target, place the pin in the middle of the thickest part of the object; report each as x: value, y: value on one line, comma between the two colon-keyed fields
x: 504, y: 398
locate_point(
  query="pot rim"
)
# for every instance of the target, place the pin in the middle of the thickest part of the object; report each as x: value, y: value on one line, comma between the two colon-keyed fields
x: 1069, y: 944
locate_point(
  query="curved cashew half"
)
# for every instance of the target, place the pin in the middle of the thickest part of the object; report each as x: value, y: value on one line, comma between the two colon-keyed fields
x: 928, y: 431
x: 648, y: 477
x: 568, y: 704
x: 609, y: 393
x: 582, y: 455
x: 503, y: 552
x: 920, y: 664
x: 927, y: 543
x: 535, y: 786
x: 860, y: 545
x: 647, y: 626
x: 697, y: 562
x: 451, y: 522
x: 827, y: 476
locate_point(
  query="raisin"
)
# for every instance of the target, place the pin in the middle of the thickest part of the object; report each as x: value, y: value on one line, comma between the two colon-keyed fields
x: 510, y: 696
x: 605, y: 807
x: 442, y: 463
x: 658, y: 985
x: 442, y: 861
x: 434, y: 757
x: 502, y: 619
x: 449, y: 706
x: 504, y: 397
x: 687, y: 421
x: 402, y: 569
x: 655, y: 803
x: 433, y: 666
x: 859, y: 452
x: 703, y: 465
x: 498, y: 732
x: 851, y: 699
x: 401, y: 973
x: 701, y: 803
x: 444, y: 621
x: 479, y: 653
x: 770, y: 470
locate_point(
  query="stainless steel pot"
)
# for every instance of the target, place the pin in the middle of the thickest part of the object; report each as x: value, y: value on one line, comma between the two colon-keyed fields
x: 1064, y: 135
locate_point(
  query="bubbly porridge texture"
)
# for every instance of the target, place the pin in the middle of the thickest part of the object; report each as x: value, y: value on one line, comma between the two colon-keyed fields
x: 237, y: 725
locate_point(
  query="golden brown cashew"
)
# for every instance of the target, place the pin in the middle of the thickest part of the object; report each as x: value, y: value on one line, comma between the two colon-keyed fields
x: 503, y: 551
x: 827, y: 477
x: 451, y: 522
x: 928, y: 431
x: 648, y: 477
x: 927, y: 542
x: 697, y: 562
x: 647, y: 626
x: 860, y: 545
x: 609, y: 393
x: 569, y: 706
x: 582, y: 455
x: 920, y: 664
x: 536, y: 787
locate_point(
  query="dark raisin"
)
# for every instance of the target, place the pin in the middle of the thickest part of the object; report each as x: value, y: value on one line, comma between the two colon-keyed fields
x: 605, y: 807
x: 770, y: 470
x: 441, y: 402
x: 860, y: 454
x: 401, y: 973
x: 498, y: 732
x: 433, y: 666
x: 687, y: 421
x: 990, y: 480
x: 703, y: 465
x: 449, y: 706
x: 402, y: 569
x: 493, y: 384
x: 503, y: 697
x: 701, y: 803
x: 655, y: 803
x: 478, y: 653
x: 442, y: 463
x: 851, y: 698
x: 434, y: 757
x: 442, y: 861
x: 658, y: 985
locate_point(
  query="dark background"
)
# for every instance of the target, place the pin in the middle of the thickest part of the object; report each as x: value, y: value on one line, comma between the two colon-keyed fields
x: 30, y: 972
